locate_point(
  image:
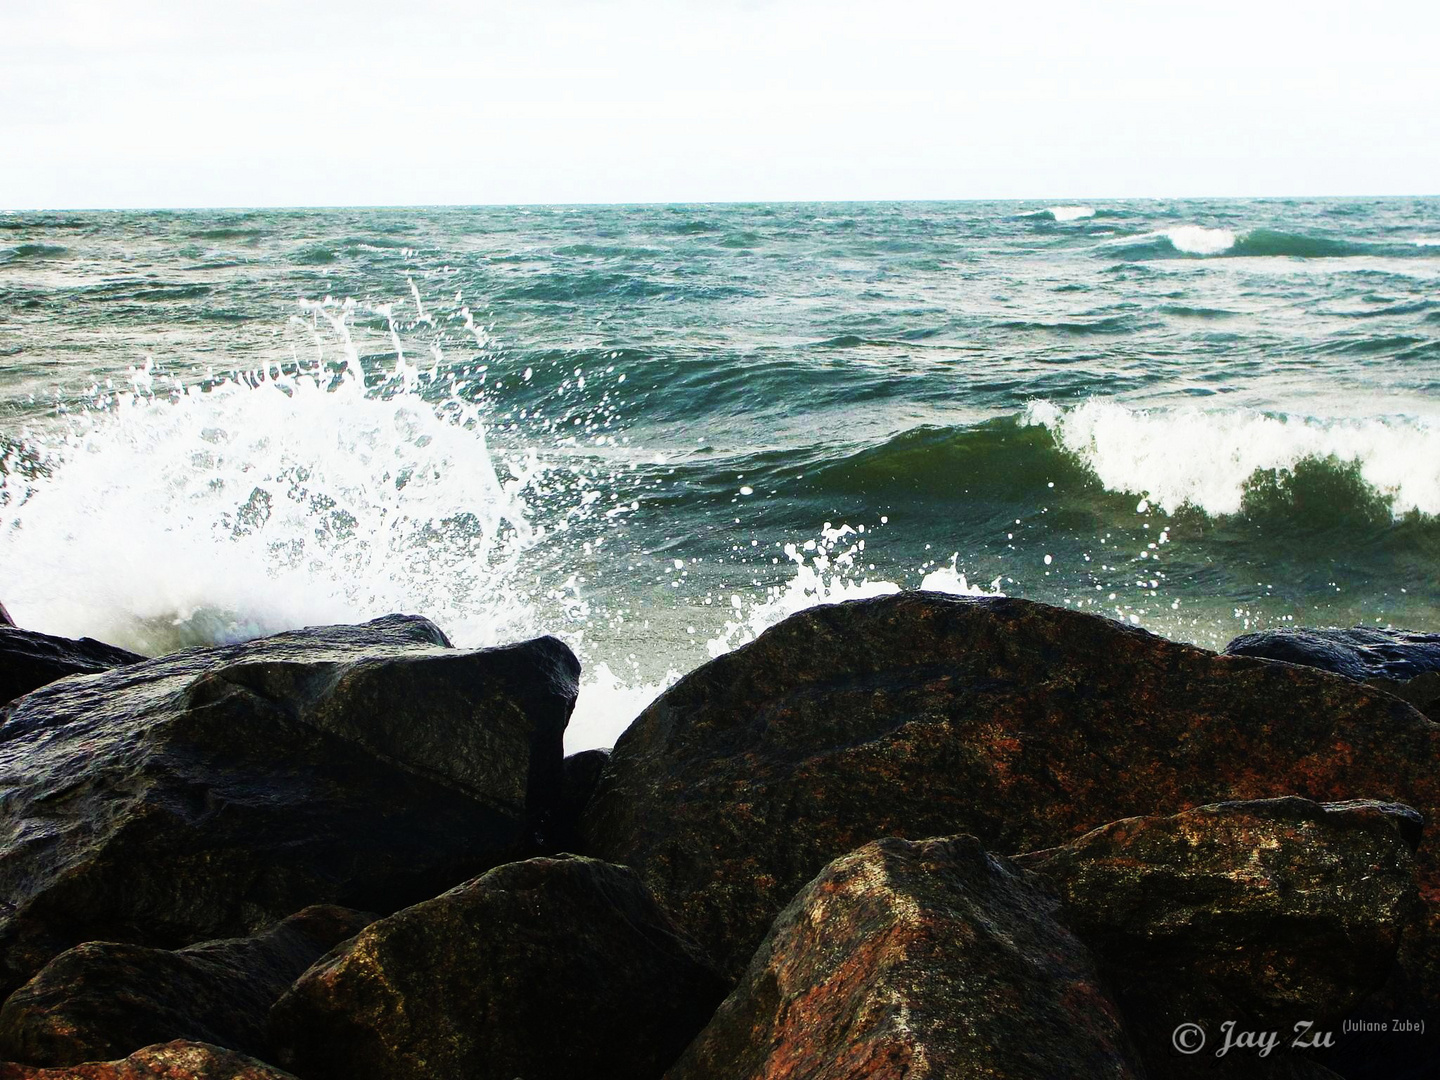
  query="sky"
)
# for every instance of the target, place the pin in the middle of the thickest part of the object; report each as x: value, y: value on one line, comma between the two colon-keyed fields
x: 171, y: 103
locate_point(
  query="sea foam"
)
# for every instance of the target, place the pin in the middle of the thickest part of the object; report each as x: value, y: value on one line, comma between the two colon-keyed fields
x: 1204, y: 458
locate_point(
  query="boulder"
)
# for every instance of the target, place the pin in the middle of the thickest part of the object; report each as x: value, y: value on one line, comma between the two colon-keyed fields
x: 214, y: 791
x: 1265, y: 914
x: 171, y: 1061
x: 581, y: 777
x: 29, y: 660
x: 1400, y: 662
x: 919, y: 714
x: 549, y: 969
x: 1359, y: 652
x: 102, y: 1000
x: 916, y: 960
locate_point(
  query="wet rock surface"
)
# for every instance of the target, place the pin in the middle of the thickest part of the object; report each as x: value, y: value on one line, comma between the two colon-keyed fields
x: 550, y: 969
x: 101, y: 1001
x: 916, y: 959
x: 212, y: 792
x: 921, y: 715
x: 29, y: 660
x: 1266, y: 914
x: 1358, y: 652
x: 171, y: 1061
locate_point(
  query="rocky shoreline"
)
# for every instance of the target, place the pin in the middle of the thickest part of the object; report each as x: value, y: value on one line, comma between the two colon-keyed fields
x: 912, y: 836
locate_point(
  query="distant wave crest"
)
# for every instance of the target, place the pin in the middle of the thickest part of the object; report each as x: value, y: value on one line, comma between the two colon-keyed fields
x: 1197, y: 241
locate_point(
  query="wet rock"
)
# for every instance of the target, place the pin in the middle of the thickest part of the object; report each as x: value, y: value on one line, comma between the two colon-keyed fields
x: 1358, y: 652
x: 581, y: 778
x: 924, y: 959
x: 1266, y: 914
x: 920, y: 715
x: 549, y: 969
x: 102, y: 1000
x: 214, y: 791
x: 171, y: 1061
x: 29, y: 660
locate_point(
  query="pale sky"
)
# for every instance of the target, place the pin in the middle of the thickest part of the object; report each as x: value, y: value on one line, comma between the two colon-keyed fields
x: 196, y: 103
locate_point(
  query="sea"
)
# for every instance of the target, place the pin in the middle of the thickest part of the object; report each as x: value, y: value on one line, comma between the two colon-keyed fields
x: 654, y: 431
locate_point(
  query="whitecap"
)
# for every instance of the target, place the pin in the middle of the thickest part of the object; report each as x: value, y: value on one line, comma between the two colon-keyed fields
x: 1178, y: 456
x: 1197, y: 240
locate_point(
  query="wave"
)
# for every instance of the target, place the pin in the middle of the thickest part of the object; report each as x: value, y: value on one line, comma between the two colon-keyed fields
x: 1230, y: 461
x: 33, y: 251
x: 1061, y: 213
x: 1197, y: 241
x: 1110, y: 324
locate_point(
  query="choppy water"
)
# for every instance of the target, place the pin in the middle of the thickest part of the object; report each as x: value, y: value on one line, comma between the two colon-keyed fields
x: 655, y: 430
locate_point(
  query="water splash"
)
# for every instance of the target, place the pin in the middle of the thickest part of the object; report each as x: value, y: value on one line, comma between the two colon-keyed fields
x: 171, y: 515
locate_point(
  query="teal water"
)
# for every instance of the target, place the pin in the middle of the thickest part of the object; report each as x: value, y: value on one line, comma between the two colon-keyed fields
x: 655, y: 430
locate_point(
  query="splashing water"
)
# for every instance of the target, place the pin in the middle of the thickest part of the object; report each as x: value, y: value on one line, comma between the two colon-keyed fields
x: 267, y: 500
x: 827, y: 571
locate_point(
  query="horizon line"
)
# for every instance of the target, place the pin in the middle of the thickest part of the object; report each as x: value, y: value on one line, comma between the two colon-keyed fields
x: 1052, y: 200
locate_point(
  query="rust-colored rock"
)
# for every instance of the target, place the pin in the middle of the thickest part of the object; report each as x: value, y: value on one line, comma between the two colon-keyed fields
x: 171, y: 1061
x: 921, y: 715
x: 921, y: 961
x: 1266, y: 913
x: 548, y: 969
x: 102, y: 1000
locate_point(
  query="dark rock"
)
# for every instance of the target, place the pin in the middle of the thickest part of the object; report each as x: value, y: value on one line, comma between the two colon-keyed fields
x: 214, y: 791
x: 1359, y: 652
x: 925, y: 959
x: 29, y: 660
x: 172, y: 1061
x: 5, y: 619
x: 922, y: 715
x: 1269, y: 914
x: 549, y: 969
x: 102, y: 1000
x: 1423, y: 691
x: 581, y: 777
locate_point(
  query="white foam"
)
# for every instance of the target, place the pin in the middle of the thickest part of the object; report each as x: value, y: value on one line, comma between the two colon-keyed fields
x: 266, y: 502
x: 828, y: 570
x: 1196, y: 240
x: 1176, y: 456
x: 1071, y: 213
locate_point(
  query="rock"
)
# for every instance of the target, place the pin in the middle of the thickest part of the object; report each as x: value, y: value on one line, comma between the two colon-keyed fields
x: 172, y: 1061
x: 214, y: 791
x: 549, y: 969
x: 1423, y: 691
x: 919, y: 715
x: 924, y: 959
x: 5, y: 619
x: 29, y: 660
x: 1360, y: 652
x: 103, y: 1000
x: 581, y: 777
x: 1266, y: 914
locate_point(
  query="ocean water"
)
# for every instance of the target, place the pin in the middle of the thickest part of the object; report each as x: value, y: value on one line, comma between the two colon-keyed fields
x: 654, y: 431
